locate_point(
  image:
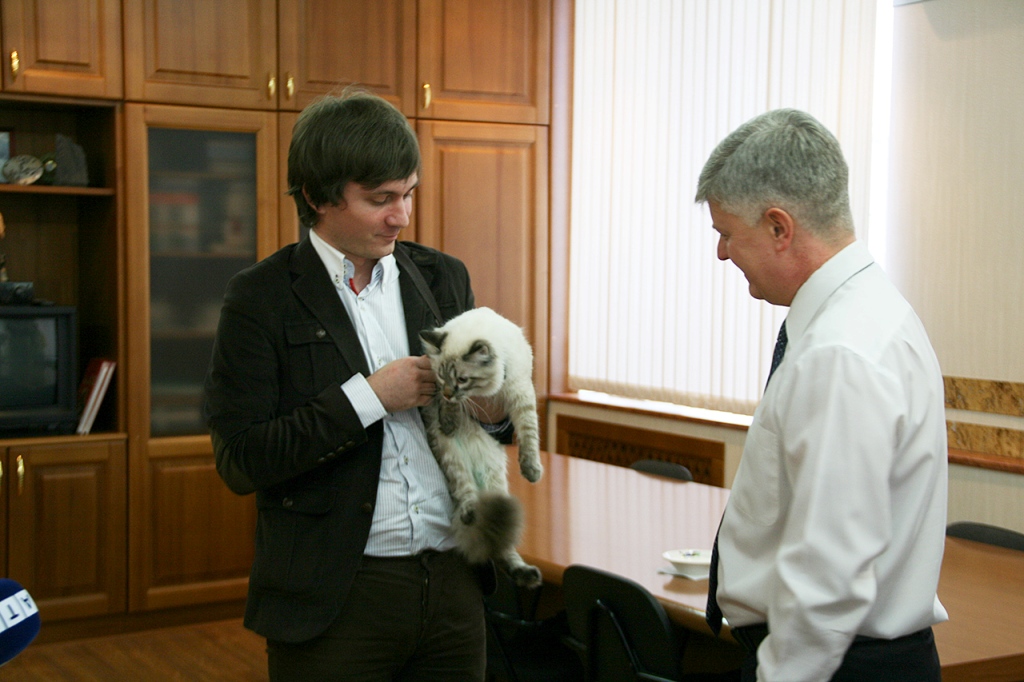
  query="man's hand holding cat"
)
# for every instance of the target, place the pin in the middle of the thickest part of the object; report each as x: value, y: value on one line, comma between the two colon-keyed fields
x: 404, y: 383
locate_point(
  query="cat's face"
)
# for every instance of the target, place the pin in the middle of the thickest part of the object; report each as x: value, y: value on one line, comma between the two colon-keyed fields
x: 464, y: 372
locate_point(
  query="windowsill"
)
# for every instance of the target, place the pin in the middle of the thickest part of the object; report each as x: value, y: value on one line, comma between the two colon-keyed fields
x: 737, y: 422
x: 652, y: 408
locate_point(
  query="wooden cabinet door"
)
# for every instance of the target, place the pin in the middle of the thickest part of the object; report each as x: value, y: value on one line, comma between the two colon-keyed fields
x: 70, y: 47
x: 66, y: 530
x: 483, y: 199
x: 220, y: 53
x: 371, y: 43
x: 190, y: 538
x: 485, y: 60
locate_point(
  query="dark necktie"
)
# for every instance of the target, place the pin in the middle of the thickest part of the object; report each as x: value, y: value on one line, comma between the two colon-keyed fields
x: 712, y: 613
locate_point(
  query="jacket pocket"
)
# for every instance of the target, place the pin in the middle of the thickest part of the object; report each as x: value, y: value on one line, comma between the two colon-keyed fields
x: 293, y: 538
x: 313, y: 360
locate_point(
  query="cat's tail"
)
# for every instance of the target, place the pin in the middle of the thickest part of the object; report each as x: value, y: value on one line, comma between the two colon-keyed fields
x: 497, y: 526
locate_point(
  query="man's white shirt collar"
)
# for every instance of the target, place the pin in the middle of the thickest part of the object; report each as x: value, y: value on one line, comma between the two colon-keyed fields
x: 342, y: 270
x: 822, y: 283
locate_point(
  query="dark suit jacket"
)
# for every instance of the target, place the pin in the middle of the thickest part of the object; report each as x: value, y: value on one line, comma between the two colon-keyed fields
x: 282, y: 426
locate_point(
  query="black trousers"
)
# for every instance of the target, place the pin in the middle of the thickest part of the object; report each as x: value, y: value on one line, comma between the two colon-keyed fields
x: 912, y: 658
x: 409, y: 619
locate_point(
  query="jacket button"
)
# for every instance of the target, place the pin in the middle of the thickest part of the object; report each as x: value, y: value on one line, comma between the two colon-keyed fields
x: 320, y: 333
x: 287, y: 503
x: 321, y: 460
x: 367, y: 507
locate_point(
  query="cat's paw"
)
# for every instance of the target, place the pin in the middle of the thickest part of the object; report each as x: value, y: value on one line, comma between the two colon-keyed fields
x: 530, y: 467
x: 531, y: 470
x: 526, y: 576
x: 448, y: 419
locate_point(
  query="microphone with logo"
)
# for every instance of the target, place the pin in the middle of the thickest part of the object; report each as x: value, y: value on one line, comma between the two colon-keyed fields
x: 19, y: 619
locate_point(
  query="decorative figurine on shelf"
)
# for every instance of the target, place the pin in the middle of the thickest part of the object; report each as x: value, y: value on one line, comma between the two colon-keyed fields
x: 22, y: 169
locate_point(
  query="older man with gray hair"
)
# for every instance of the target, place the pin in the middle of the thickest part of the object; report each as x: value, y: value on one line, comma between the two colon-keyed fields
x: 827, y: 559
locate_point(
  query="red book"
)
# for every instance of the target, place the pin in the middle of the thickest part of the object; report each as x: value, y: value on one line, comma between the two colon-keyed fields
x: 91, y: 391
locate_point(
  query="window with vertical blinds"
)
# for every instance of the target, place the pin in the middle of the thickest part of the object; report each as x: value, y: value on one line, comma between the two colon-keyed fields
x: 657, y: 84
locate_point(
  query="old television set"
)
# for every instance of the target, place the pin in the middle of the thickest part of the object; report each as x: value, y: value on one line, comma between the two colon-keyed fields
x: 38, y: 370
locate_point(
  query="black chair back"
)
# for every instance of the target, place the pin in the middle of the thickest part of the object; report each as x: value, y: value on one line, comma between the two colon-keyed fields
x: 990, y: 535
x: 622, y: 631
x: 521, y: 647
x: 661, y: 467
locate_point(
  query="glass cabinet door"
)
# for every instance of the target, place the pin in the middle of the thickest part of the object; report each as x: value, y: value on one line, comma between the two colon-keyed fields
x: 202, y: 203
x: 202, y: 230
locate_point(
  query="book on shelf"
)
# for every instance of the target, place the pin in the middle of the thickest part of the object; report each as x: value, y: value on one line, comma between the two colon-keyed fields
x: 94, y: 386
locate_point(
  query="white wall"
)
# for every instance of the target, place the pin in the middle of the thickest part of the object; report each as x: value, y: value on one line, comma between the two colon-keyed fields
x: 956, y: 230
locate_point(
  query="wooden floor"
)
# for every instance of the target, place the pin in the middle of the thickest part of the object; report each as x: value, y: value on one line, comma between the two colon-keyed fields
x: 220, y: 651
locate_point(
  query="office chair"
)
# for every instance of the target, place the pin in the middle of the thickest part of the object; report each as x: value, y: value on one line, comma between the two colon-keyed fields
x: 619, y: 629
x: 990, y: 535
x: 522, y: 648
x: 622, y: 632
x: 660, y: 467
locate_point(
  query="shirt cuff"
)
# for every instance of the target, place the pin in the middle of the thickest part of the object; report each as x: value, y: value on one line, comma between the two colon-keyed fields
x: 364, y: 401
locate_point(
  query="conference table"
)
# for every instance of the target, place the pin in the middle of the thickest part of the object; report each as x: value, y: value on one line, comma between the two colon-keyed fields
x: 619, y: 520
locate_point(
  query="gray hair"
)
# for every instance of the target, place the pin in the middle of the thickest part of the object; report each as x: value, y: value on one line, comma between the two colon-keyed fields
x: 784, y: 158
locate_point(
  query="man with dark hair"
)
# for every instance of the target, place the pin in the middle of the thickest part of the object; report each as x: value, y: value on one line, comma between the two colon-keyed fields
x: 827, y: 559
x: 312, y: 402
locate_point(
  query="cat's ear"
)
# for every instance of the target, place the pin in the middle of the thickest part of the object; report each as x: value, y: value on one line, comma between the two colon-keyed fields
x: 432, y: 340
x: 480, y: 353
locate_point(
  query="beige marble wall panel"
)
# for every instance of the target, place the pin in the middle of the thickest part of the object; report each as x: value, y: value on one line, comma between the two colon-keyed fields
x: 991, y: 440
x: 979, y: 395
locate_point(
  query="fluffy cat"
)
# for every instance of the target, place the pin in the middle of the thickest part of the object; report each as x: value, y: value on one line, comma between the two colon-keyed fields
x: 481, y: 353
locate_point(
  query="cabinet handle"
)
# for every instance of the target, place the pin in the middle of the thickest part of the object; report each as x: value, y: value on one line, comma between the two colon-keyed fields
x: 15, y: 64
x: 21, y: 474
x: 289, y: 86
x: 1, y: 476
x: 271, y: 86
x: 426, y: 95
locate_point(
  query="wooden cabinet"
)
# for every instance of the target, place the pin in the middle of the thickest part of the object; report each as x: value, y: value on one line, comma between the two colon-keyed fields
x: 194, y: 52
x: 484, y: 200
x: 202, y: 187
x: 369, y: 42
x: 478, y: 60
x: 257, y: 55
x: 485, y: 60
x: 71, y: 47
x: 65, y: 526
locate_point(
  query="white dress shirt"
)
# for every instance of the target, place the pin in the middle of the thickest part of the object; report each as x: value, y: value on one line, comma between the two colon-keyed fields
x: 414, y: 509
x: 836, y: 520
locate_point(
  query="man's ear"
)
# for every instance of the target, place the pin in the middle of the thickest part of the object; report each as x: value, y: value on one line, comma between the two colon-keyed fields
x: 305, y: 195
x: 782, y: 225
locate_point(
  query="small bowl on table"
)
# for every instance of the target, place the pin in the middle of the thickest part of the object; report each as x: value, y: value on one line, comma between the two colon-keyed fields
x: 694, y: 564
